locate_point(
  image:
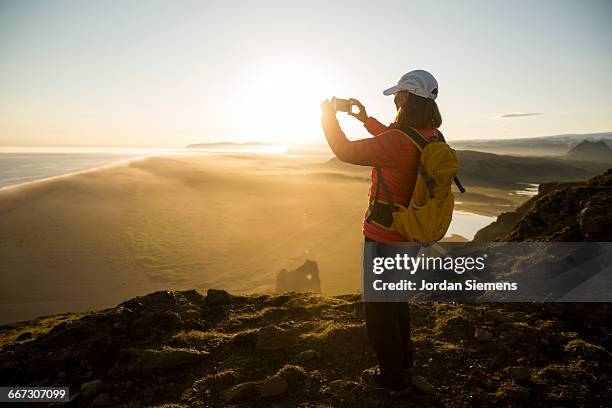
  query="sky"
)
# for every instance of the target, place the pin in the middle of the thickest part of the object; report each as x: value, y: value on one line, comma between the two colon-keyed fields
x: 169, y: 73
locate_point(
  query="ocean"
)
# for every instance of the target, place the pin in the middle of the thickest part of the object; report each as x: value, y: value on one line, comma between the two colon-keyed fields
x: 19, y: 165
x: 24, y: 165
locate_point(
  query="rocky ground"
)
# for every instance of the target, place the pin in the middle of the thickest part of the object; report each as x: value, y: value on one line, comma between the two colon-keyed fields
x: 561, y: 212
x: 183, y: 349
x: 180, y: 349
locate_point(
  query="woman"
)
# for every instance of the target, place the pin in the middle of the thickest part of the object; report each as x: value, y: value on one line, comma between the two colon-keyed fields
x: 396, y: 157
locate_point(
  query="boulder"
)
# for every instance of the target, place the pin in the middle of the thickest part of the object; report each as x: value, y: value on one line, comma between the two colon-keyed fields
x: 307, y: 355
x: 519, y: 373
x: 92, y: 388
x: 515, y: 392
x: 483, y: 335
x: 218, y: 297
x: 168, y: 358
x: 273, y: 338
x: 102, y: 400
x: 240, y: 392
x: 496, y: 316
x: 421, y: 384
x: 303, y: 279
x: 274, y: 385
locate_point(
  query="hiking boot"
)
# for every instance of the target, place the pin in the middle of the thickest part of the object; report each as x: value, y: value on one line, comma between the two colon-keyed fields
x: 371, y: 378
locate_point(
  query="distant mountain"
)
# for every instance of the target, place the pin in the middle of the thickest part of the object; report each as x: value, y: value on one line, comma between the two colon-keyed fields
x: 223, y: 145
x: 591, y: 151
x: 505, y: 171
x: 499, y: 171
x: 533, y: 146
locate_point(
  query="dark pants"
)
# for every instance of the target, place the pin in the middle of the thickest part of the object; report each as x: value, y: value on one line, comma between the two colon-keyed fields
x: 388, y: 326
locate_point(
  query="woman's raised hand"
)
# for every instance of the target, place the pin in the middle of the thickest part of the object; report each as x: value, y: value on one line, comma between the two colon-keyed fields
x: 362, y: 116
x: 327, y: 108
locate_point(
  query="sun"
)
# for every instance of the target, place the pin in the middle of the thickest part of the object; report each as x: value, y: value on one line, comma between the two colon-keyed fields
x: 281, y: 104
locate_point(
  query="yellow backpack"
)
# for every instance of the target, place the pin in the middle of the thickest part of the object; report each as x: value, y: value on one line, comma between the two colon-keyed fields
x: 428, y: 216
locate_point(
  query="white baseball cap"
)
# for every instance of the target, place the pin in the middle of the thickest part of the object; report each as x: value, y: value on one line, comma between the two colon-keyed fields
x: 418, y: 82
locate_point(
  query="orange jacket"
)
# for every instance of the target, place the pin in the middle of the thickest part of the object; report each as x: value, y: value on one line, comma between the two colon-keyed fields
x: 391, y: 151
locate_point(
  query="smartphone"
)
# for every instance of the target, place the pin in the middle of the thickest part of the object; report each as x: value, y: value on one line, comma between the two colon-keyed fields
x: 341, y: 105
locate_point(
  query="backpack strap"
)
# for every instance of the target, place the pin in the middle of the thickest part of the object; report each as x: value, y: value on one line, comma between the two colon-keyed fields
x: 457, y: 182
x: 388, y: 195
x: 420, y: 142
x: 380, y: 182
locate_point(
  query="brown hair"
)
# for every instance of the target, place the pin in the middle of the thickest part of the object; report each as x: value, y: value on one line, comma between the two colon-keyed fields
x: 419, y: 113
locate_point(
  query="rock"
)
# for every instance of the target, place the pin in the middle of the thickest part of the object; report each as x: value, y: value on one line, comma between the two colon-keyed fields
x: 518, y: 393
x: 166, y: 321
x: 273, y: 338
x: 483, y: 335
x: 496, y: 316
x: 134, y: 367
x: 307, y: 355
x: 274, y: 385
x: 92, y: 388
x: 246, y: 338
x: 218, y: 297
x: 295, y: 375
x: 342, y: 388
x: 190, y: 313
x: 102, y: 400
x: 519, y: 373
x: 24, y: 336
x: 421, y: 384
x: 240, y: 391
x: 303, y: 279
x: 168, y: 358
x: 587, y: 350
x: 558, y: 214
x: 518, y: 316
x: 510, y: 335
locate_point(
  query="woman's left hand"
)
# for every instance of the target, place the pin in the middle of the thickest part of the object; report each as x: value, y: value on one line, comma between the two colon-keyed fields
x: 327, y: 108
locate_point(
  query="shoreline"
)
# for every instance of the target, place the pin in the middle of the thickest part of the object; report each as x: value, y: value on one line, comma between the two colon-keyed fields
x: 74, y: 173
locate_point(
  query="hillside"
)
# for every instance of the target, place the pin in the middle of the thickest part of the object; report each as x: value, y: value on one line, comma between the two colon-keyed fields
x: 179, y: 349
x: 184, y: 349
x: 494, y: 170
x: 567, y: 212
x: 500, y: 171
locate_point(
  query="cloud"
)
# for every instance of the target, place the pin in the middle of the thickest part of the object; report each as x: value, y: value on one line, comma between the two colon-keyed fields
x: 520, y: 114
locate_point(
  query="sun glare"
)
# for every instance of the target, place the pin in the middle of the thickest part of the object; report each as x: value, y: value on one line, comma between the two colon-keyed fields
x: 282, y: 105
